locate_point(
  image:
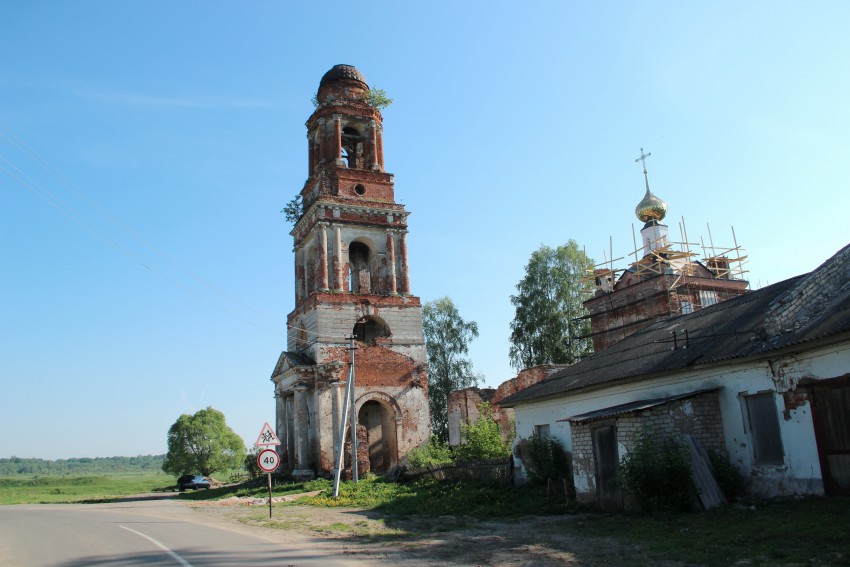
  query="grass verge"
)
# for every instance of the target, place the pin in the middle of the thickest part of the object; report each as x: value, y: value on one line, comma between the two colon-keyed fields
x: 429, y: 497
x: 809, y: 531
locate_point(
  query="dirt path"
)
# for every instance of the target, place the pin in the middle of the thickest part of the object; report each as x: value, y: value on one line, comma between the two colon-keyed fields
x: 418, y: 542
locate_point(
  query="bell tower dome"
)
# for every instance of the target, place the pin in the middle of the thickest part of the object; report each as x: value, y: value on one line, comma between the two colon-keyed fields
x: 351, y: 279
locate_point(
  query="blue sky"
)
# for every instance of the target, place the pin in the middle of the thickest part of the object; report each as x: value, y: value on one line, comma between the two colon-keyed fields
x: 146, y: 149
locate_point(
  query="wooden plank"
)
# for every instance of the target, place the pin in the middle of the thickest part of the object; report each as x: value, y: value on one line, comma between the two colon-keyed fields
x: 701, y: 471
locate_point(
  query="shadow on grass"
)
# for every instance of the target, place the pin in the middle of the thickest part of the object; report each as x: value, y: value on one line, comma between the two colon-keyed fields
x: 133, y: 498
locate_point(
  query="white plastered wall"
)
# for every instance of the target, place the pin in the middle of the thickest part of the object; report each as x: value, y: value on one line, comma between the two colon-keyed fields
x: 799, y: 474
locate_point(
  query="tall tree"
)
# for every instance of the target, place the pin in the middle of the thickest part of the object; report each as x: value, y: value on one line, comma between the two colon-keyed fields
x: 548, y: 324
x: 447, y: 338
x: 202, y: 443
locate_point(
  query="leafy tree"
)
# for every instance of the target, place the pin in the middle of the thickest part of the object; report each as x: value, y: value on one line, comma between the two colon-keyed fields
x: 548, y: 325
x: 202, y: 443
x: 293, y: 209
x: 447, y: 338
x: 378, y: 98
x: 85, y: 465
x: 482, y: 439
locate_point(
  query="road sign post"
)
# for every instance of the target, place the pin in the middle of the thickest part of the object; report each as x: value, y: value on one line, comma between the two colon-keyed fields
x: 268, y: 459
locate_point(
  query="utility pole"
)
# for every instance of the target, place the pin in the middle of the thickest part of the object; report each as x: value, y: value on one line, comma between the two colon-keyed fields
x: 347, y: 403
x: 354, y: 467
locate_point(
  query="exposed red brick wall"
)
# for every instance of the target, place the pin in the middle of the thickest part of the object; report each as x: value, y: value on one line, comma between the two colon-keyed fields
x: 635, y: 304
x: 378, y: 366
x: 463, y: 403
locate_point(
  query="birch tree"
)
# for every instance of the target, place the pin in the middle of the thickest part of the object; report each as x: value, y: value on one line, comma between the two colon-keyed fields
x: 447, y: 338
x: 550, y: 324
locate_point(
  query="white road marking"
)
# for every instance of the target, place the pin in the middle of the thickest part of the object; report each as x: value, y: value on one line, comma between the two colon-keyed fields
x: 176, y: 557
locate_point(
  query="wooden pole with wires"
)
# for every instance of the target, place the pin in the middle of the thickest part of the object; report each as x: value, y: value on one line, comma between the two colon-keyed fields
x: 347, y: 403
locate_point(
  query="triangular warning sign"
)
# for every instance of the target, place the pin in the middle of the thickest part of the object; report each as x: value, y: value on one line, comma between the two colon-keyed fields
x: 267, y: 437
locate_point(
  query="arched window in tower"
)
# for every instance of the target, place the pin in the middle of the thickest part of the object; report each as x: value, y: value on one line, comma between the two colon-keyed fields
x: 367, y: 329
x: 352, y: 148
x: 359, y: 275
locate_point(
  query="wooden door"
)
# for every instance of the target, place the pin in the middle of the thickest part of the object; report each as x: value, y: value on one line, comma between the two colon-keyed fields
x: 831, y: 415
x: 608, y: 495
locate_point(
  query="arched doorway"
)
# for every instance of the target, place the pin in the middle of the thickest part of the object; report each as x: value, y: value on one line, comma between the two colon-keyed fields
x: 379, y: 424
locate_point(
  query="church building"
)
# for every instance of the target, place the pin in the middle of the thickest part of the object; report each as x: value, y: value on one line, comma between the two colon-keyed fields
x: 667, y: 280
x: 351, y: 280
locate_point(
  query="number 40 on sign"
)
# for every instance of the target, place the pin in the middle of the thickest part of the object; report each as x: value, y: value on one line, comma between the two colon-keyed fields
x: 268, y: 460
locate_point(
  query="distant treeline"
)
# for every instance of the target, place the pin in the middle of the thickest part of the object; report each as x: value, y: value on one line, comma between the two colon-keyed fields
x: 16, y: 465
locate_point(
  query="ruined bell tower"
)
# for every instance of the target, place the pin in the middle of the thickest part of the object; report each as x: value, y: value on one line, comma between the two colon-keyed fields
x: 351, y: 278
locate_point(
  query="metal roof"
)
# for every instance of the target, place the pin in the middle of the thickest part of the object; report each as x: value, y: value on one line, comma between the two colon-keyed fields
x: 735, y: 328
x: 630, y: 407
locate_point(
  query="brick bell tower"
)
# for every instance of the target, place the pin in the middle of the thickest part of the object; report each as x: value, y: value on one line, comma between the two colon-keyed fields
x: 351, y: 278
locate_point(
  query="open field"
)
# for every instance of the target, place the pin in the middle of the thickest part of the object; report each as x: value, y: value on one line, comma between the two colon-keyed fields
x: 55, y: 489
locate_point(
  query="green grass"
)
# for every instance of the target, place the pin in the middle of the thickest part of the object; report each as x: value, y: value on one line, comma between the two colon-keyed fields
x: 56, y: 489
x: 256, y: 489
x: 428, y: 497
x: 810, y: 531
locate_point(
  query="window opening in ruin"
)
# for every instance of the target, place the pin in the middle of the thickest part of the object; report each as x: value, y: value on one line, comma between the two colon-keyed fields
x: 352, y: 147
x: 542, y: 431
x: 359, y: 276
x: 359, y: 189
x: 370, y: 328
x: 764, y: 429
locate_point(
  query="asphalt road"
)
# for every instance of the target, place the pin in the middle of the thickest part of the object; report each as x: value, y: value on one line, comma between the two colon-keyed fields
x: 142, y: 532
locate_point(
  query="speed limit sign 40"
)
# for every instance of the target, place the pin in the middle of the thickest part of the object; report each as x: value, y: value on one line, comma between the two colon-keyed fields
x: 268, y: 460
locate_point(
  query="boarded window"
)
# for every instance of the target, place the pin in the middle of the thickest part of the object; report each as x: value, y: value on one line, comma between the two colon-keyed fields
x: 764, y: 429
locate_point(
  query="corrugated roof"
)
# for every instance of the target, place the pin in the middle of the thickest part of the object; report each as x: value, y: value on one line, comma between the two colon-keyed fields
x: 732, y: 329
x: 629, y: 407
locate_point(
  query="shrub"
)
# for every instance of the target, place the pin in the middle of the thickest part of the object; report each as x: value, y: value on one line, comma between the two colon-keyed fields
x: 482, y: 439
x: 432, y: 454
x: 378, y: 98
x: 251, y: 465
x: 547, y: 459
x: 659, y: 478
x: 730, y: 480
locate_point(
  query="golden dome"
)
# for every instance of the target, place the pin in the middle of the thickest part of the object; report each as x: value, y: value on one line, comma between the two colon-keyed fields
x: 650, y: 208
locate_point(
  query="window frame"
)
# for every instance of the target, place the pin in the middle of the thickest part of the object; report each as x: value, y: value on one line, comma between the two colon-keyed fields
x: 761, y: 420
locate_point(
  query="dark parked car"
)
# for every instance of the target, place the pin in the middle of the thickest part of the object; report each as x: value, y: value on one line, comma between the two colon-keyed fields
x: 192, y: 481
